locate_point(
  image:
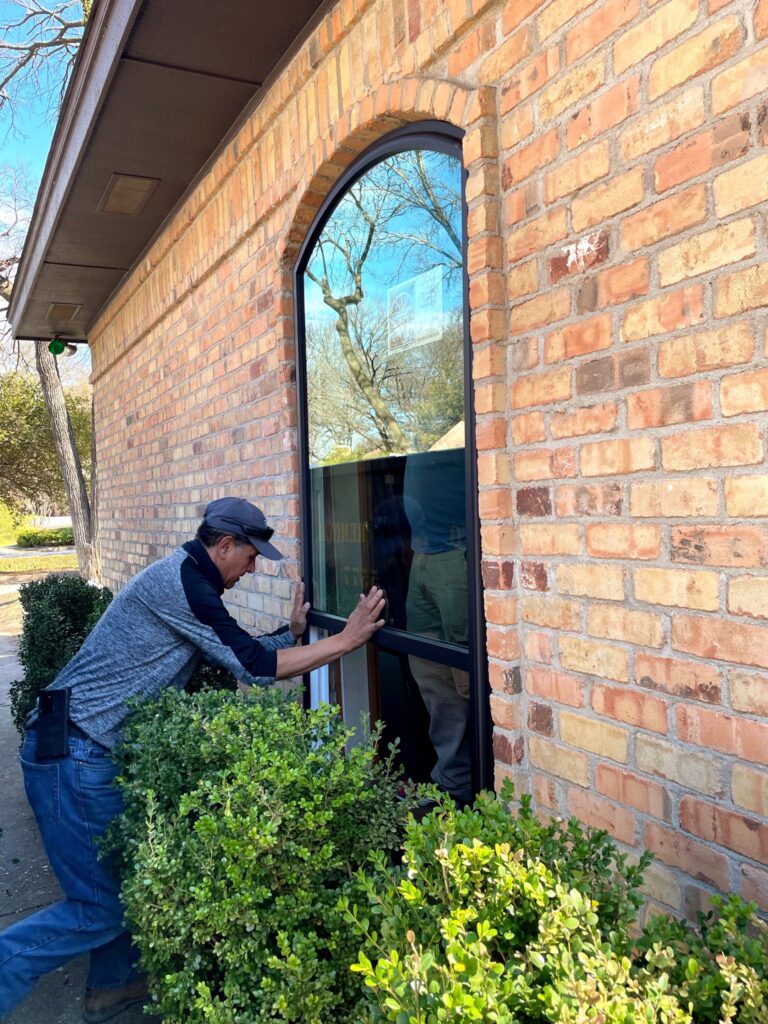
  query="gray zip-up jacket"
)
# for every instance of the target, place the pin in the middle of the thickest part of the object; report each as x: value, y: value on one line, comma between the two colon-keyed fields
x: 154, y: 635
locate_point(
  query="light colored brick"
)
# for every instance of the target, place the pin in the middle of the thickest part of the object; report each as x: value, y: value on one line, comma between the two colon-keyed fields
x: 551, y: 612
x: 740, y: 82
x: 571, y: 88
x: 741, y: 187
x: 668, y: 499
x: 600, y: 581
x: 733, y: 445
x: 707, y: 350
x: 670, y: 312
x: 700, y: 772
x: 634, y: 627
x: 565, y: 764
x: 749, y: 693
x: 678, y: 589
x: 663, y: 218
x: 695, y: 56
x: 649, y: 35
x: 544, y: 539
x: 597, y: 737
x: 609, y: 540
x: 595, y: 419
x: 749, y: 789
x: 746, y: 289
x: 748, y: 595
x: 542, y: 388
x: 663, y: 124
x: 744, y: 392
x: 603, y: 660
x: 616, y: 195
x: 703, y: 253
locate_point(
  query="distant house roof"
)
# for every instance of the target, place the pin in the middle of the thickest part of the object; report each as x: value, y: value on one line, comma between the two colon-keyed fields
x: 156, y: 87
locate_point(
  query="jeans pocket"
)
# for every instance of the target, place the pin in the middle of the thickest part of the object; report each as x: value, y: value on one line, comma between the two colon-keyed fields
x: 42, y: 783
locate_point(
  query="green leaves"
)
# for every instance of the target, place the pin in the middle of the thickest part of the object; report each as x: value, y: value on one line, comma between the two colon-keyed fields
x: 245, y: 823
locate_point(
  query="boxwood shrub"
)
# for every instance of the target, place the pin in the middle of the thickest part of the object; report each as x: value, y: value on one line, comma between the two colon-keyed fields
x: 246, y: 820
x: 39, y: 537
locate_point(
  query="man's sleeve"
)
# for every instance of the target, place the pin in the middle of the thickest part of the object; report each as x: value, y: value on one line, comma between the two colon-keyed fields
x: 218, y: 635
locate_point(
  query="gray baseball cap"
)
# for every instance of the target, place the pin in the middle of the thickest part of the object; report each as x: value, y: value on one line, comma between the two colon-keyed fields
x: 238, y: 516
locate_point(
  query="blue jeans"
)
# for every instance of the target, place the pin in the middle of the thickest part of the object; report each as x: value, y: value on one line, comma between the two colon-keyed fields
x: 74, y: 800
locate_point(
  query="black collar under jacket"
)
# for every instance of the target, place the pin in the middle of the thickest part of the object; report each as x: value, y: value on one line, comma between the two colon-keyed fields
x: 198, y: 553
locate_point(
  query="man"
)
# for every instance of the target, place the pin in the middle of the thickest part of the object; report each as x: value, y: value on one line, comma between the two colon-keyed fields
x: 153, y: 635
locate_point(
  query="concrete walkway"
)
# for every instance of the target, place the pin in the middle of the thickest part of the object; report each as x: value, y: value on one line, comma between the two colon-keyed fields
x: 26, y: 880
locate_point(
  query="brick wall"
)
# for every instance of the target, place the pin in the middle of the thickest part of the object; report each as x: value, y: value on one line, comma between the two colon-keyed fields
x: 617, y: 153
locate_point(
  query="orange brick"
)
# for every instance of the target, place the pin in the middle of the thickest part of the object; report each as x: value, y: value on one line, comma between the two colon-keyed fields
x: 619, y: 284
x: 749, y: 789
x: 517, y: 126
x: 528, y: 427
x: 528, y: 159
x: 707, y: 350
x: 538, y: 647
x: 633, y: 708
x: 495, y: 504
x: 551, y: 612
x: 746, y: 289
x: 727, y: 828
x: 609, y: 458
x: 595, y: 736
x: 491, y: 433
x: 595, y: 419
x: 708, y: 251
x: 487, y: 361
x: 734, y: 445
x: 572, y: 175
x: 663, y: 218
x: 542, y: 388
x: 492, y: 468
x: 717, y: 638
x: 677, y: 588
x: 695, y: 56
x: 738, y: 546
x: 665, y: 499
x: 550, y: 757
x: 556, y: 686
x: 489, y: 398
x: 524, y: 83
x: 503, y: 645
x: 571, y: 87
x: 754, y: 882
x: 545, y: 464
x: 662, y: 407
x: 537, y: 235
x: 619, y: 194
x: 749, y: 693
x: 603, y: 814
x: 545, y: 539
x: 604, y: 113
x: 748, y: 595
x: 740, y: 82
x: 611, y: 623
x: 744, y: 392
x: 671, y: 20
x: 663, y: 124
x: 505, y: 712
x: 508, y: 55
x: 746, y: 496
x: 761, y: 19
x: 714, y: 730
x: 741, y: 187
x: 667, y: 760
x: 516, y: 11
x: 483, y: 254
x: 608, y: 540
x: 665, y: 314
x: 597, y: 27
x: 578, y: 339
x: 689, y: 679
x: 696, y: 859
x: 626, y: 788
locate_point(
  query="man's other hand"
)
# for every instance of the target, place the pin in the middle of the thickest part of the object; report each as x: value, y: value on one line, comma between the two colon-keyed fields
x: 298, y: 622
x: 365, y: 619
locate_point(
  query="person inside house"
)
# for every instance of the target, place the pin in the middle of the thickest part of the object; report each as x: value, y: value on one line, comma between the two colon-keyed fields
x: 153, y: 635
x: 434, y: 499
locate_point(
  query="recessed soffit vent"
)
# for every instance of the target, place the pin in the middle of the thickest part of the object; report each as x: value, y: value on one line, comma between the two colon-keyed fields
x: 62, y: 312
x: 127, y: 194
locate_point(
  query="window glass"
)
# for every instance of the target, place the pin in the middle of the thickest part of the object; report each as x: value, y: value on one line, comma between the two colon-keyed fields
x: 384, y: 328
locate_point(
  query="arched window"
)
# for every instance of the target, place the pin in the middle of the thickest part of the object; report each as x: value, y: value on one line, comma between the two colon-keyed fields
x: 389, y: 495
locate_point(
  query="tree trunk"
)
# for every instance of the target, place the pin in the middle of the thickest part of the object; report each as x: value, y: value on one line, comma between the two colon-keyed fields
x: 69, y: 459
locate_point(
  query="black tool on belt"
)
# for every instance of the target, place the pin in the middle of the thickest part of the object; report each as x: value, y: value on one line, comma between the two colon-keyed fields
x: 52, y: 725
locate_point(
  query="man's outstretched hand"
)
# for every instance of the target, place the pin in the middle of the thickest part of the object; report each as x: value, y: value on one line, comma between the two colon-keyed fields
x: 365, y: 619
x: 298, y: 621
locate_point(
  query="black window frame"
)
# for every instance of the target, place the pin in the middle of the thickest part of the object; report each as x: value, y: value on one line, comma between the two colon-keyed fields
x: 443, y: 138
